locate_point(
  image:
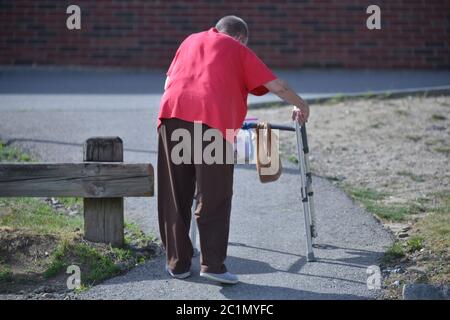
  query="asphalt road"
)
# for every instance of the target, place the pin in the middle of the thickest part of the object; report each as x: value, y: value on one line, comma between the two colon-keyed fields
x: 267, y: 245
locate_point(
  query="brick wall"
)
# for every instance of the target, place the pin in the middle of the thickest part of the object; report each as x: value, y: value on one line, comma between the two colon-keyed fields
x: 289, y: 33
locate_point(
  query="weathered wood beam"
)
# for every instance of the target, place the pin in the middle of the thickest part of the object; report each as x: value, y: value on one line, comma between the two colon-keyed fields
x: 88, y: 180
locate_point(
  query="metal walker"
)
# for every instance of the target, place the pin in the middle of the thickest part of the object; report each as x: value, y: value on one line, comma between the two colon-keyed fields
x: 306, y: 192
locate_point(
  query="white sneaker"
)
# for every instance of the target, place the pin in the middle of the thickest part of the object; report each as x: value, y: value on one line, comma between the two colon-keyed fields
x: 178, y: 275
x: 226, y: 277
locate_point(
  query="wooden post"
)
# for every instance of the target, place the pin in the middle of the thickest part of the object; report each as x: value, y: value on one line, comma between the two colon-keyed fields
x: 103, y: 218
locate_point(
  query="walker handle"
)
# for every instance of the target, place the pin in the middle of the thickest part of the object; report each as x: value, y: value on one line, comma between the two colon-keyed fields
x: 252, y: 125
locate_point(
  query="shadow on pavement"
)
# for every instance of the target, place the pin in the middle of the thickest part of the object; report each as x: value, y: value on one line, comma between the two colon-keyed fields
x: 11, y: 141
x: 154, y: 271
x: 260, y: 292
x: 360, y: 258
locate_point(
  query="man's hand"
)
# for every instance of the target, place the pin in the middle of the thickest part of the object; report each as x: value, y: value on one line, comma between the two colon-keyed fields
x: 282, y: 89
x: 300, y: 114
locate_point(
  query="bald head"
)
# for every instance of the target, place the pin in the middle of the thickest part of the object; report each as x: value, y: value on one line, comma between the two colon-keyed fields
x: 233, y: 26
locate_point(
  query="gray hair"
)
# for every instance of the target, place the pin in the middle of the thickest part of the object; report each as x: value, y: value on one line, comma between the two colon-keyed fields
x: 233, y: 26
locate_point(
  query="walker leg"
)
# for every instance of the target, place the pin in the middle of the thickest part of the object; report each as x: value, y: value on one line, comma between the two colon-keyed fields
x: 309, y: 190
x: 304, y: 192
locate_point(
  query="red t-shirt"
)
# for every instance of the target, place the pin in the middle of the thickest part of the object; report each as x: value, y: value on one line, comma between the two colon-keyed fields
x: 209, y: 80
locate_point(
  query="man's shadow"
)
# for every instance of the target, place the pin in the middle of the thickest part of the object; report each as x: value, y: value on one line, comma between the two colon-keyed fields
x: 154, y: 270
x: 243, y: 290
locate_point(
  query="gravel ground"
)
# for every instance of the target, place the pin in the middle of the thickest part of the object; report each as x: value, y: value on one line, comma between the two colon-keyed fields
x: 398, y: 146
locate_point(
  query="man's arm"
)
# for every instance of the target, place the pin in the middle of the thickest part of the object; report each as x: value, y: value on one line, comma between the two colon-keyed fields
x: 282, y: 89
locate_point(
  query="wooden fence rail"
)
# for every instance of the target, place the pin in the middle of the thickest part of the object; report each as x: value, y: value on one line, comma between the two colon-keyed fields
x: 102, y: 180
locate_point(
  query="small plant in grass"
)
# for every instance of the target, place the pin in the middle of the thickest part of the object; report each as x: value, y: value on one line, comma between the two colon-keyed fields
x: 95, y: 266
x: 369, y: 95
x: 444, y: 150
x: 394, y: 253
x: 12, y: 154
x: 133, y: 233
x: 293, y: 159
x: 337, y: 99
x: 438, y: 117
x: 386, y: 95
x: 5, y: 273
x: 414, y: 243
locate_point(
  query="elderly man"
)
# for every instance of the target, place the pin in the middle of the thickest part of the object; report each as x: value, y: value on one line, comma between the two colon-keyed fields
x: 207, y: 82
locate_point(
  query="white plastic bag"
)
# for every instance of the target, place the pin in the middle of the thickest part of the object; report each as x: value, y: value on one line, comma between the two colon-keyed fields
x: 244, y: 147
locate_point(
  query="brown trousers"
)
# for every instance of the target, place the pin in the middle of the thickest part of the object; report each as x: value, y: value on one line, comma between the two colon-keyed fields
x: 177, y: 184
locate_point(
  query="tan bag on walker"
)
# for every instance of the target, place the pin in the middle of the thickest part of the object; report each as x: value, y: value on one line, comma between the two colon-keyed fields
x: 268, y: 162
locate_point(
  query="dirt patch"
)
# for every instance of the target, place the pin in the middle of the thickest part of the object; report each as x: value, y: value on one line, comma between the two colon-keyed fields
x: 33, y: 266
x: 25, y: 251
x: 25, y: 256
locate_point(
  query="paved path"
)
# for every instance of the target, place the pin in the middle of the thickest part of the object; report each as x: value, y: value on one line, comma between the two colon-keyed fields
x: 266, y: 242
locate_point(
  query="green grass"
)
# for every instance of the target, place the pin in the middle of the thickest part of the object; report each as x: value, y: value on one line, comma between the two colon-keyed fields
x: 5, y: 273
x: 394, y: 253
x: 369, y: 95
x: 70, y: 201
x: 436, y: 226
x: 386, y: 95
x: 133, y: 231
x: 36, y: 215
x: 438, y: 117
x: 392, y: 213
x: 95, y: 266
x: 367, y: 194
x: 336, y: 99
x: 372, y: 201
x: 414, y: 243
x: 55, y: 267
x: 33, y: 213
x: 433, y: 234
x: 445, y: 150
x: 293, y: 159
x: 12, y: 154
